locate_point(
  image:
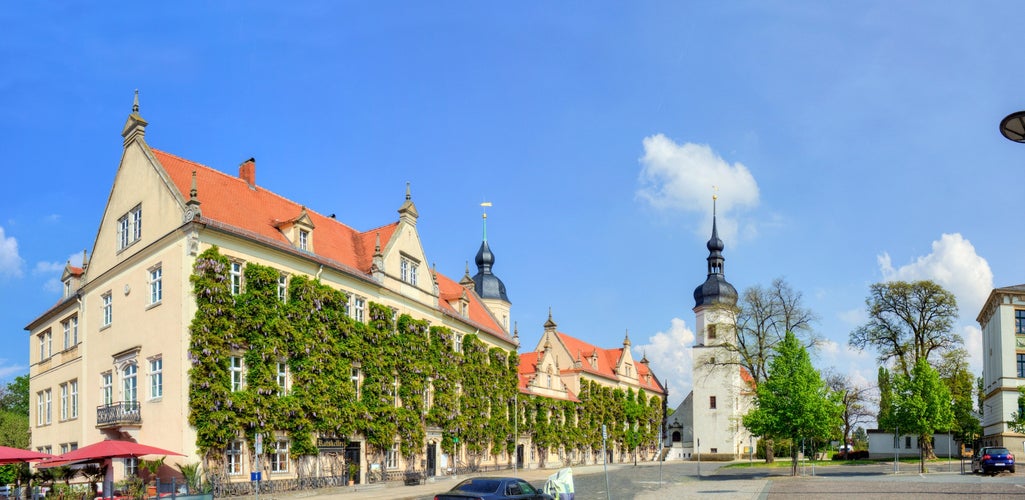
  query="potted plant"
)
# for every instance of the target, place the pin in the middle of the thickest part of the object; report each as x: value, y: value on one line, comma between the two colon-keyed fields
x: 353, y: 472
x: 152, y: 467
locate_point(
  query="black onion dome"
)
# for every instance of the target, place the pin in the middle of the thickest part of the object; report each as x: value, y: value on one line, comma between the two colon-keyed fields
x: 487, y: 285
x: 715, y: 289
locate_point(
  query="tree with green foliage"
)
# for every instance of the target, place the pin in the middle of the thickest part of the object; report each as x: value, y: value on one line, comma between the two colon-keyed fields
x: 954, y: 372
x: 921, y: 406
x: 14, y: 396
x: 1017, y: 422
x: 793, y: 402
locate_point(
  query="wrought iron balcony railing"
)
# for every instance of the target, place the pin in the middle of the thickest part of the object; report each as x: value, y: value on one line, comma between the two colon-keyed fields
x: 119, y: 413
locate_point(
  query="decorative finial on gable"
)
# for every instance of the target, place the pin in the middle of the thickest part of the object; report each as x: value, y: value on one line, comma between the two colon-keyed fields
x: 550, y: 324
x: 407, y: 212
x: 485, y: 206
x: 626, y: 339
x: 135, y: 126
x: 192, y: 209
x: 377, y: 243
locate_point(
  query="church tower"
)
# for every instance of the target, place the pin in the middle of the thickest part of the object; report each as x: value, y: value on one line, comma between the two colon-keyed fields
x: 486, y: 284
x: 718, y: 385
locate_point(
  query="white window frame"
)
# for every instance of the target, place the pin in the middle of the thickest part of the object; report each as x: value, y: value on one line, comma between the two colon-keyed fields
x: 108, y: 309
x: 359, y: 306
x: 236, y: 369
x: 131, y: 467
x: 281, y: 377
x: 74, y: 398
x: 49, y: 343
x: 304, y: 240
x: 64, y: 402
x: 107, y: 388
x: 156, y: 284
x: 392, y: 457
x: 40, y: 409
x: 282, y: 288
x: 279, y: 456
x: 67, y: 287
x: 42, y: 347
x: 129, y: 228
x: 49, y: 405
x: 66, y: 326
x: 233, y: 458
x: 354, y: 377
x: 156, y: 377
x: 395, y: 390
x: 236, y: 278
x: 130, y: 383
x: 408, y: 270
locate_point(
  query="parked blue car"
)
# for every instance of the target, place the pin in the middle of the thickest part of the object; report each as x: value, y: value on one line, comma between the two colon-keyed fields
x: 993, y: 459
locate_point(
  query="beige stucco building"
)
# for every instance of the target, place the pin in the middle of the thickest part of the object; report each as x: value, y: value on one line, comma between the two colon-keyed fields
x: 110, y: 359
x: 1003, y: 364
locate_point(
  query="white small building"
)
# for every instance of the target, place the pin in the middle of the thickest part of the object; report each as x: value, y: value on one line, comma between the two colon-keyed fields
x: 883, y: 444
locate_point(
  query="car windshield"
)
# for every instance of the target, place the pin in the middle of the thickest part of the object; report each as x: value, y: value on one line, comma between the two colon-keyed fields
x: 479, y: 486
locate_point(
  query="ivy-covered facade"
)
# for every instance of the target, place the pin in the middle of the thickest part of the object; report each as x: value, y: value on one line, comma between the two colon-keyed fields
x: 250, y: 333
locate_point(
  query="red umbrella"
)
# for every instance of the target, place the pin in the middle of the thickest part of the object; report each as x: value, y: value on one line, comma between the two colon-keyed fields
x: 16, y: 455
x: 113, y: 449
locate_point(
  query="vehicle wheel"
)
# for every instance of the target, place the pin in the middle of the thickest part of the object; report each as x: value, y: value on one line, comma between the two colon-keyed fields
x: 1012, y: 470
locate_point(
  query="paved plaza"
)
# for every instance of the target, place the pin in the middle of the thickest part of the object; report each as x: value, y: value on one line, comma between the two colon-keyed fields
x: 681, y: 480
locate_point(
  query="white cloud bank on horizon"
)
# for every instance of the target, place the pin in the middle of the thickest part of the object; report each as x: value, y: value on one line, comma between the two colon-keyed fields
x: 10, y: 262
x: 669, y: 356
x: 953, y: 264
x: 681, y: 176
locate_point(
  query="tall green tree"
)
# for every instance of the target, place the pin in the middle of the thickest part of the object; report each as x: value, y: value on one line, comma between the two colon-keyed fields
x: 908, y: 322
x: 884, y: 417
x: 921, y: 405
x: 793, y: 402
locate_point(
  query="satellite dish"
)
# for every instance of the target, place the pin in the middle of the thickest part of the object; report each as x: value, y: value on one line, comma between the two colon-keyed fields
x: 1013, y: 126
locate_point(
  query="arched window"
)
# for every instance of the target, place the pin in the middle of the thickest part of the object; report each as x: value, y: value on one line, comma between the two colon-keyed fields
x: 130, y: 383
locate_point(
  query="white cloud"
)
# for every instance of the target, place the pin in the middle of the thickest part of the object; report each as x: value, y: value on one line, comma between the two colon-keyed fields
x: 680, y: 177
x: 10, y: 371
x: 973, y: 343
x: 953, y: 264
x: 10, y: 262
x: 853, y: 317
x: 54, y: 270
x: 669, y: 354
x: 48, y: 268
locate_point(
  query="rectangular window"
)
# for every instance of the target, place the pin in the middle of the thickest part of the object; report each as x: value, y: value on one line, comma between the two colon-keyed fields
x: 66, y: 326
x: 64, y: 401
x: 74, y: 398
x: 108, y: 309
x: 156, y: 286
x: 74, y: 330
x: 67, y: 287
x: 1021, y: 365
x: 40, y: 408
x: 711, y: 402
x: 408, y: 270
x: 392, y: 457
x: 236, y: 278
x: 711, y: 332
x: 131, y: 467
x: 354, y: 377
x: 359, y: 305
x: 233, y: 454
x: 64, y: 448
x: 49, y: 405
x: 907, y: 441
x: 395, y: 391
x: 235, y: 366
x: 49, y: 343
x: 304, y: 240
x: 282, y: 378
x: 156, y: 378
x: 107, y: 388
x: 129, y: 228
x: 1019, y: 321
x: 130, y: 384
x: 279, y: 456
x: 282, y: 288
x: 42, y: 346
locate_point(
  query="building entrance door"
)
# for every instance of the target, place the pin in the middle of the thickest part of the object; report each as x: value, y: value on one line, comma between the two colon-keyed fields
x: 352, y: 454
x: 432, y: 457
x: 519, y: 456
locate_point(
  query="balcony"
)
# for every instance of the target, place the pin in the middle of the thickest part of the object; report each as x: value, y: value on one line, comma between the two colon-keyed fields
x: 118, y: 414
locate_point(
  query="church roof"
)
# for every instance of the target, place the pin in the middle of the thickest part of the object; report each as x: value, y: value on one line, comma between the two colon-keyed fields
x: 715, y: 290
x: 230, y: 203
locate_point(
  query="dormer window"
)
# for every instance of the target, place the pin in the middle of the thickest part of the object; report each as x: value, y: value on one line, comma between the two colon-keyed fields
x: 67, y: 287
x: 304, y: 240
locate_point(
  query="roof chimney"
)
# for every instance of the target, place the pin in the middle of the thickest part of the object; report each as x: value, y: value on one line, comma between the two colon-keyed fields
x: 247, y: 172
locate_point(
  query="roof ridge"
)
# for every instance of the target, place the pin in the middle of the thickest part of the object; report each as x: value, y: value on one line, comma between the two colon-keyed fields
x: 265, y: 190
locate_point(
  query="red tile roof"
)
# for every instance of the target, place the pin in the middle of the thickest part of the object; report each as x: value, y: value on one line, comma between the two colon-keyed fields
x: 528, y: 370
x: 606, y: 363
x: 230, y: 201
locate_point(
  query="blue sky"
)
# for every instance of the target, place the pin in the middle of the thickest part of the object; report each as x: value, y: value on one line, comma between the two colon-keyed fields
x: 852, y: 142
